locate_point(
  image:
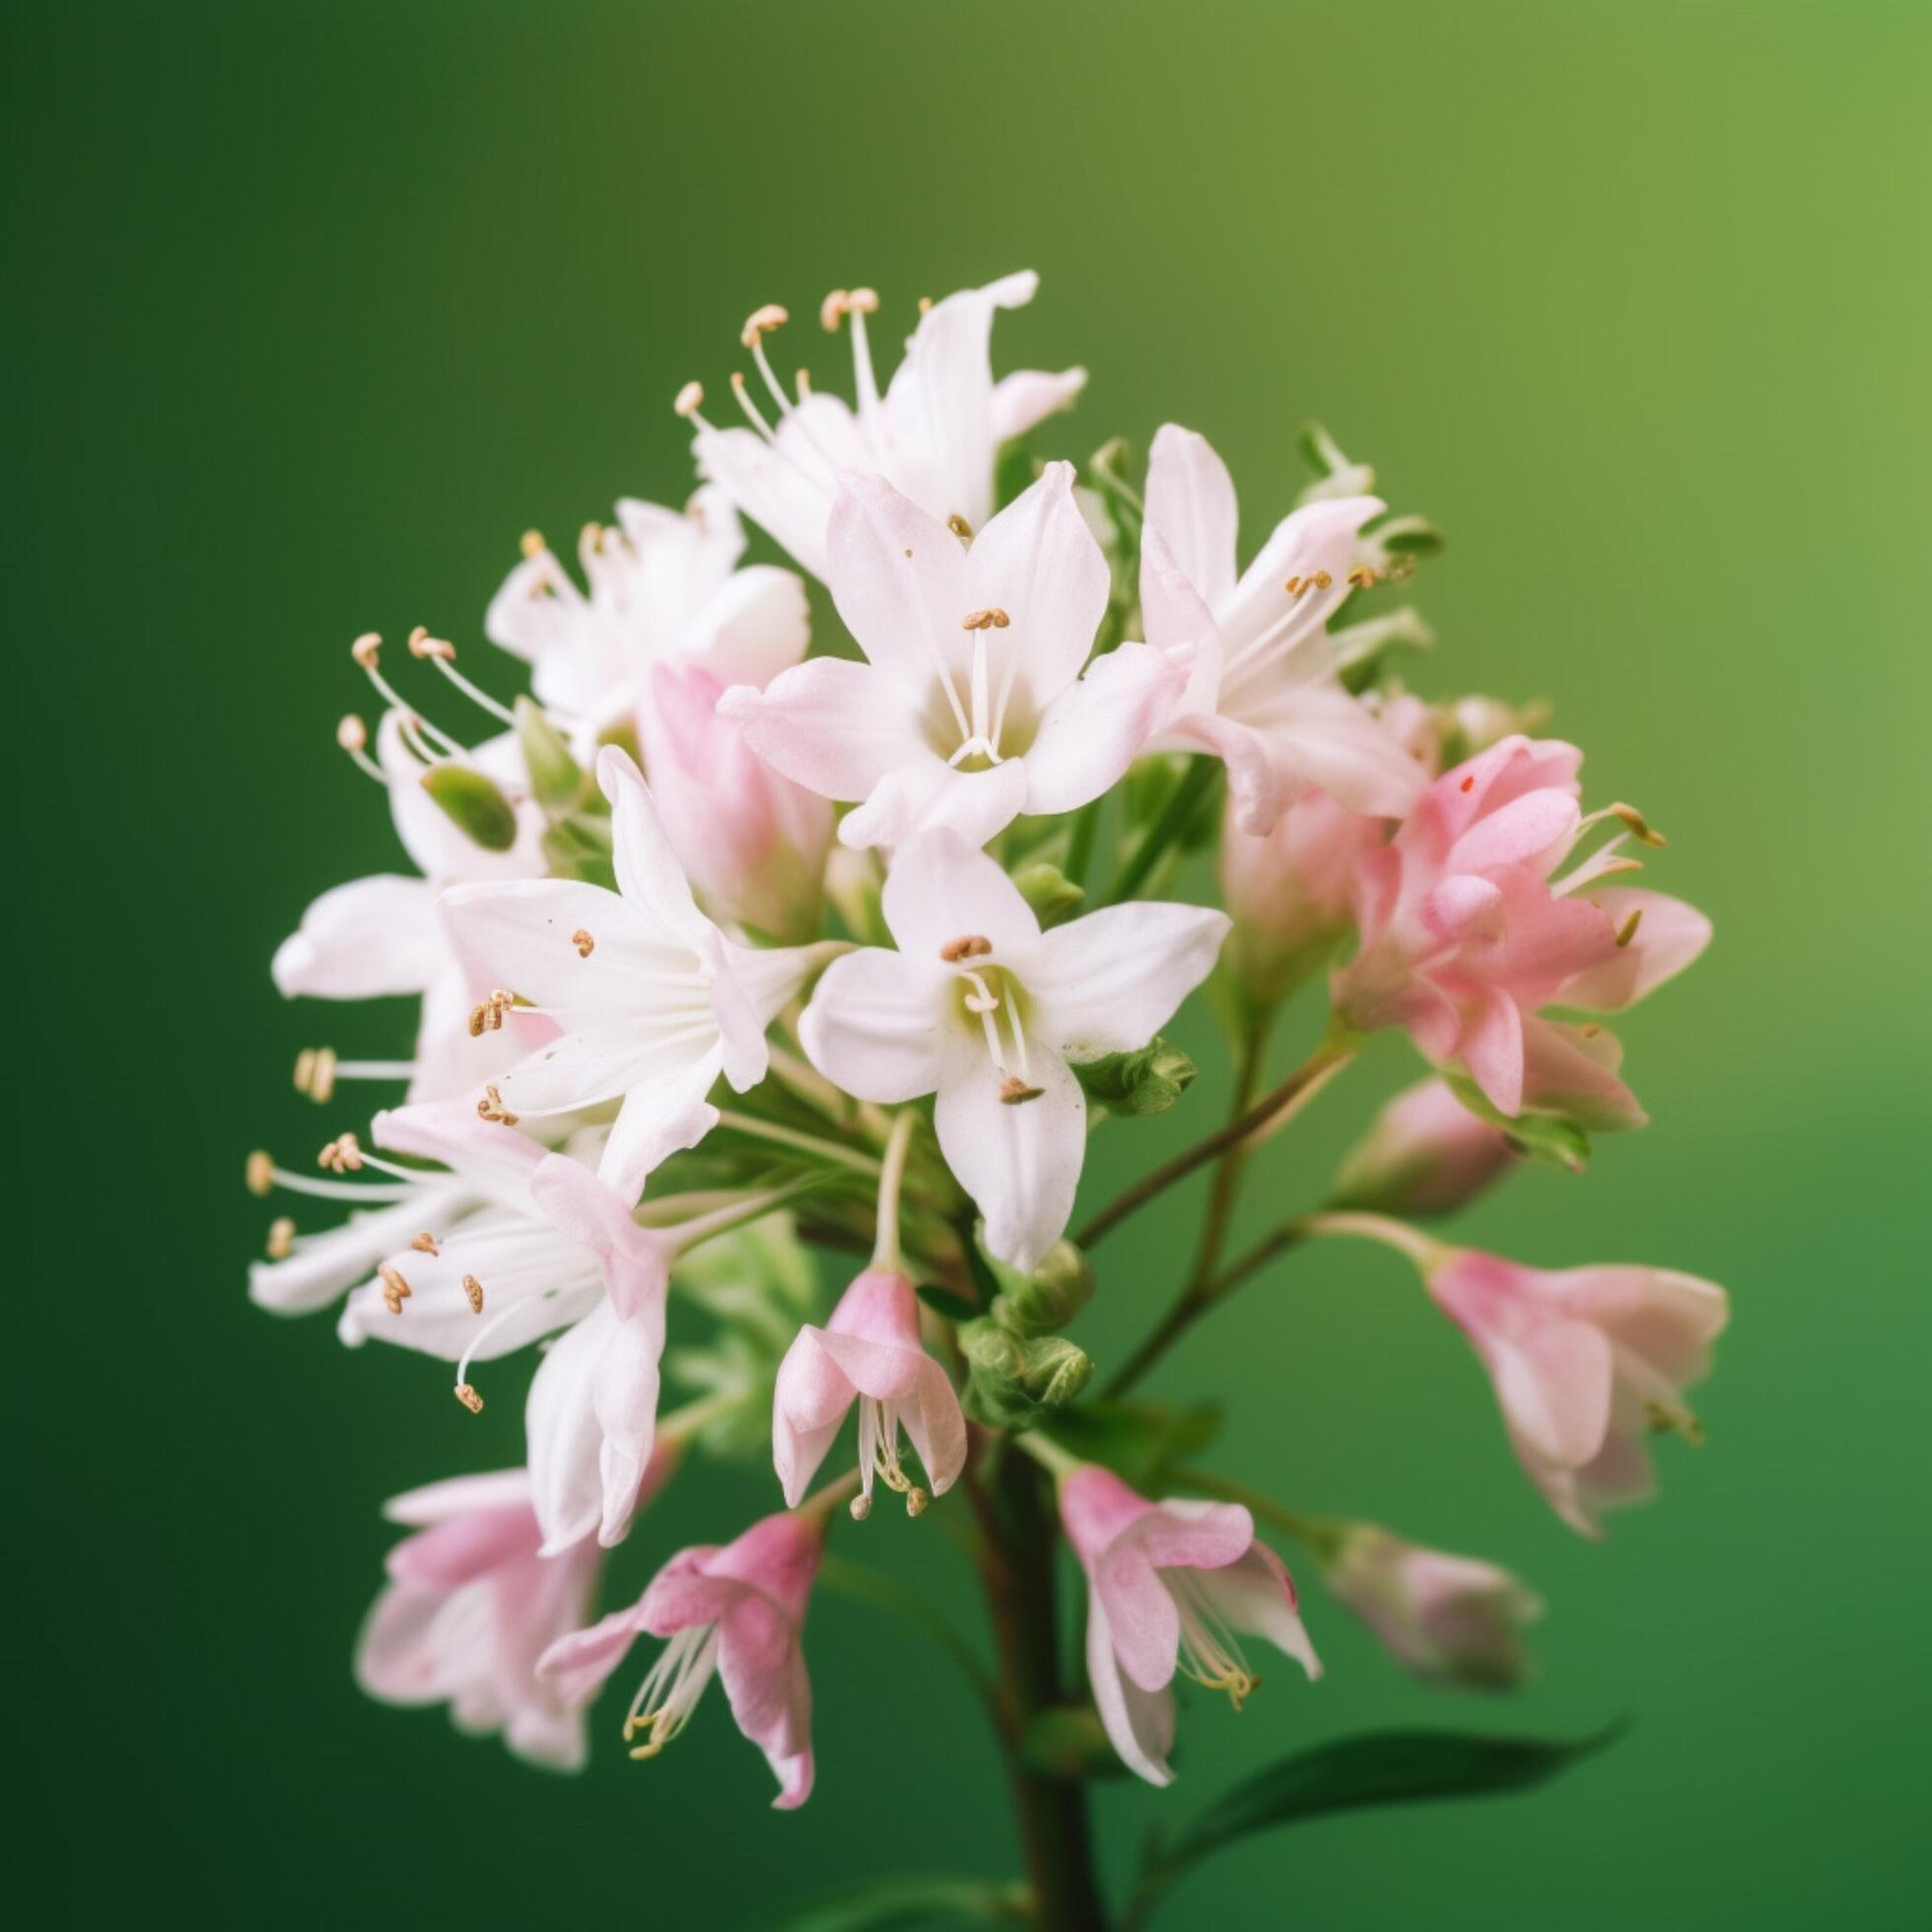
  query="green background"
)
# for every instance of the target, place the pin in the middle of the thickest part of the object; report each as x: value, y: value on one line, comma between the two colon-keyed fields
x: 316, y: 308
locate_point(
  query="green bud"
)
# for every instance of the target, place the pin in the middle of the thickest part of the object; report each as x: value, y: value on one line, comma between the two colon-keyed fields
x: 473, y: 804
x: 1148, y: 1081
x: 1053, y: 896
x: 1013, y: 1381
x: 556, y: 777
x: 1048, y: 1298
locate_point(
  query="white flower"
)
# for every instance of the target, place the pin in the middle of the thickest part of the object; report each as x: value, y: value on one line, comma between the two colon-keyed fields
x: 654, y: 1001
x: 664, y: 588
x: 934, y: 435
x: 971, y: 707
x: 982, y: 1007
x: 380, y: 937
x: 1264, y: 695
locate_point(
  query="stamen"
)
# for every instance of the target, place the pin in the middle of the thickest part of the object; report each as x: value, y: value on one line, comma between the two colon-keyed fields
x: 395, y: 1290
x: 1319, y: 581
x: 491, y: 1108
x: 742, y: 391
x: 263, y: 1177
x: 426, y: 1244
x: 960, y: 528
x: 970, y: 945
x: 1208, y: 1652
x: 670, y: 1691
x: 761, y: 322
x: 1015, y: 1093
x: 584, y: 943
x: 469, y: 1398
x: 367, y: 650
x: 1640, y: 827
x: 985, y: 620
x: 1363, y: 577
x: 315, y: 1072
x: 532, y: 545
x: 1628, y: 929
x: 261, y: 1172
x: 281, y: 1238
x: 689, y: 400
x: 343, y: 1155
x: 442, y: 654
x: 488, y: 1016
x: 352, y: 734
x: 473, y: 1288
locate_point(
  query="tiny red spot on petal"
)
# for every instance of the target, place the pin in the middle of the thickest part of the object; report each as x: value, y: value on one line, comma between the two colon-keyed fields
x: 1468, y: 783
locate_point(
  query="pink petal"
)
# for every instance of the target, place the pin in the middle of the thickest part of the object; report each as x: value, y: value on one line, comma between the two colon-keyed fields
x: 1191, y: 509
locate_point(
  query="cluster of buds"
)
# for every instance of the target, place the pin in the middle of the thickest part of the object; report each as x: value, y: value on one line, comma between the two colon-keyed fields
x: 727, y: 948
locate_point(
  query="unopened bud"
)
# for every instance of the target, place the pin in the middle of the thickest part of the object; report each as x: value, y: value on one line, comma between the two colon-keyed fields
x: 1424, y: 1153
x: 473, y: 804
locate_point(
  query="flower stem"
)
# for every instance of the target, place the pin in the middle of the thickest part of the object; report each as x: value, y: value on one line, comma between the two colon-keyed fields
x: 755, y: 1128
x: 1201, y: 775
x: 892, y: 1175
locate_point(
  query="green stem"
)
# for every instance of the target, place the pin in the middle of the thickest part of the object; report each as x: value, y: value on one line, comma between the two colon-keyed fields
x: 892, y: 1174
x: 1201, y: 775
x: 836, y: 1151
x: 1424, y: 1251
x: 1079, y: 843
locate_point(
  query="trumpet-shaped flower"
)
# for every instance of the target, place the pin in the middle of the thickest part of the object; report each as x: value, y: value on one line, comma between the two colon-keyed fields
x: 664, y: 588
x: 1586, y: 1363
x: 469, y: 1610
x: 981, y: 1008
x: 934, y: 435
x: 1424, y: 1153
x: 652, y: 1002
x: 1169, y: 1586
x: 1466, y: 936
x: 736, y: 1612
x: 868, y: 1352
x: 1263, y: 695
x: 970, y: 707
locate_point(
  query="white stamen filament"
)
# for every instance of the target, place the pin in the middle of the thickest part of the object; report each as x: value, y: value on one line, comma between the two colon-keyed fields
x: 1209, y: 1653
x: 369, y: 1193
x: 669, y: 1693
x: 475, y: 693
x: 986, y: 1002
x: 878, y: 1456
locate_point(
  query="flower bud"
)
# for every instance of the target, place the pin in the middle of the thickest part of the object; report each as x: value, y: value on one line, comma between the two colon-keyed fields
x: 1148, y: 1081
x: 1012, y: 1380
x: 557, y: 780
x: 753, y: 842
x: 1424, y: 1153
x: 1446, y: 1620
x: 473, y: 802
x: 1053, y: 896
x: 1049, y: 1297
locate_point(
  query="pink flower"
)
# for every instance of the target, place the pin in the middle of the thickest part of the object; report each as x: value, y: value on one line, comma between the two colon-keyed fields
x: 1168, y: 1584
x: 1446, y: 1620
x: 1424, y: 1153
x: 737, y: 1610
x: 868, y: 1352
x: 751, y: 842
x: 1464, y: 936
x: 470, y: 1608
x: 1586, y: 1363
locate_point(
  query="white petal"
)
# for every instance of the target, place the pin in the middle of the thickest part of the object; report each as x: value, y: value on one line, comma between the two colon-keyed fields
x: 1191, y: 508
x: 877, y: 1025
x: 520, y: 932
x: 1109, y: 982
x: 1319, y: 735
x: 756, y: 625
x: 1138, y: 1723
x: 942, y: 888
x: 772, y: 491
x: 430, y: 835
x: 660, y: 1116
x: 1029, y: 396
x: 1021, y: 1164
x: 836, y: 728
x: 648, y: 872
x: 926, y: 794
x: 564, y: 1435
x: 1095, y: 728
x: 364, y: 940
x: 899, y: 581
x: 330, y: 1261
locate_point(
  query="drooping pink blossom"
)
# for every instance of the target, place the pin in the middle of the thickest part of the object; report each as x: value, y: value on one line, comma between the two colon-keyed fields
x: 1169, y: 1585
x: 739, y: 1611
x: 1466, y: 936
x: 1424, y: 1153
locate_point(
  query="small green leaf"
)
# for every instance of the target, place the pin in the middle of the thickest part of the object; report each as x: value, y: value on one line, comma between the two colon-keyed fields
x: 942, y: 1301
x: 473, y: 804
x: 1386, y: 1767
x: 556, y: 777
x: 1549, y: 1138
x: 1148, y: 1081
x: 900, y: 1904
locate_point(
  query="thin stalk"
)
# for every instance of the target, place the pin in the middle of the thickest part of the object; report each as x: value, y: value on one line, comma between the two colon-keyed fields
x: 892, y: 1175
x: 1079, y: 843
x: 1201, y: 775
x: 1321, y: 1535
x: 836, y: 1151
x: 1233, y: 1165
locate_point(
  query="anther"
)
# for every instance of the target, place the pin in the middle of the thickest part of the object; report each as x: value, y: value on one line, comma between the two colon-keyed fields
x: 422, y: 645
x: 969, y: 946
x: 531, y: 544
x: 761, y: 322
x: 690, y: 399
x: 1628, y: 929
x: 365, y: 649
x: 832, y: 311
x: 864, y: 301
x: 473, y: 1288
x: 343, y: 1155
x: 860, y: 1507
x: 1017, y: 1093
x: 1638, y: 826
x: 426, y: 1244
x: 395, y: 1290
x: 925, y: 305
x: 985, y: 620
x: 915, y: 1501
x: 491, y: 1108
x: 584, y: 943
x: 488, y: 1016
x: 352, y: 734
x: 281, y: 1238
x: 315, y: 1072
x: 469, y: 1398
x: 261, y: 1172
x: 960, y: 528
x: 1468, y: 784
x: 1362, y: 577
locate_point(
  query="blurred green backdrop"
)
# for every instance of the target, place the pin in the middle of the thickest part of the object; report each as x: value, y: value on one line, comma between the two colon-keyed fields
x: 316, y: 306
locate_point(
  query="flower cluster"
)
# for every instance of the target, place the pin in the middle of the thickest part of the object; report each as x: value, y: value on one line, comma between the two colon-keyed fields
x: 743, y: 932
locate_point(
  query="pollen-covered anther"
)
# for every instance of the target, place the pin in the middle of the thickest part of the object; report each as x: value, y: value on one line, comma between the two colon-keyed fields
x: 491, y: 1108
x: 1628, y: 929
x: 469, y: 1398
x: 1365, y: 576
x: 1017, y: 1093
x: 281, y: 1238
x: 366, y: 650
x: 487, y: 1017
x: 422, y: 645
x: 352, y: 734
x: 1673, y: 1418
x: 969, y: 946
x: 261, y: 1172
x: 689, y: 400
x: 959, y: 526
x: 916, y: 1501
x: 315, y: 1072
x: 343, y: 1155
x: 473, y: 1288
x: 531, y: 543
x: 1639, y: 827
x: 1317, y: 580
x: 860, y: 1507
x: 584, y: 943
x: 426, y: 1244
x: 834, y: 310
x: 993, y: 619
x: 761, y: 322
x: 395, y: 1290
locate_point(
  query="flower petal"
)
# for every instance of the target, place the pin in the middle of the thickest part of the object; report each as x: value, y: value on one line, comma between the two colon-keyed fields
x: 1670, y: 934
x: 1191, y: 508
x: 926, y: 794
x: 1097, y: 726
x: 648, y: 872
x: 899, y: 581
x: 942, y: 888
x: 1139, y: 1724
x: 836, y: 728
x: 876, y: 1024
x: 367, y: 939
x: 1109, y: 982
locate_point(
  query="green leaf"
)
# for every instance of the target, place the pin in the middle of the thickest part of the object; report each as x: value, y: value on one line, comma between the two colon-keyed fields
x: 1386, y: 1767
x: 1148, y: 1081
x: 886, y: 1905
x: 1549, y: 1138
x: 556, y: 777
x: 1138, y: 1441
x: 942, y: 1301
x: 473, y: 804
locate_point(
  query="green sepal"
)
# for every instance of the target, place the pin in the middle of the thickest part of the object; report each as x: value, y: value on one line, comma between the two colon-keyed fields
x: 1054, y: 897
x: 557, y: 781
x: 1148, y: 1081
x: 474, y: 803
x: 1553, y: 1138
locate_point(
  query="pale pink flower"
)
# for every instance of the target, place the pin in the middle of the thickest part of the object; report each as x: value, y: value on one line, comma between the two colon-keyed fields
x: 1466, y: 936
x: 1445, y: 1619
x: 751, y: 842
x: 981, y: 1008
x: 934, y: 435
x: 970, y: 707
x: 664, y: 588
x: 738, y: 1610
x: 868, y: 1352
x: 470, y: 1608
x: 1169, y: 1586
x: 382, y: 937
x: 1586, y: 1363
x: 1424, y: 1153
x: 1263, y: 694
x: 653, y: 1000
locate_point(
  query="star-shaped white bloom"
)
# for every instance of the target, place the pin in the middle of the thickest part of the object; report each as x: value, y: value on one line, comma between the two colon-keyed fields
x: 1264, y: 695
x: 970, y: 708
x: 982, y: 1007
x: 664, y: 588
x: 652, y: 1002
x: 935, y: 433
